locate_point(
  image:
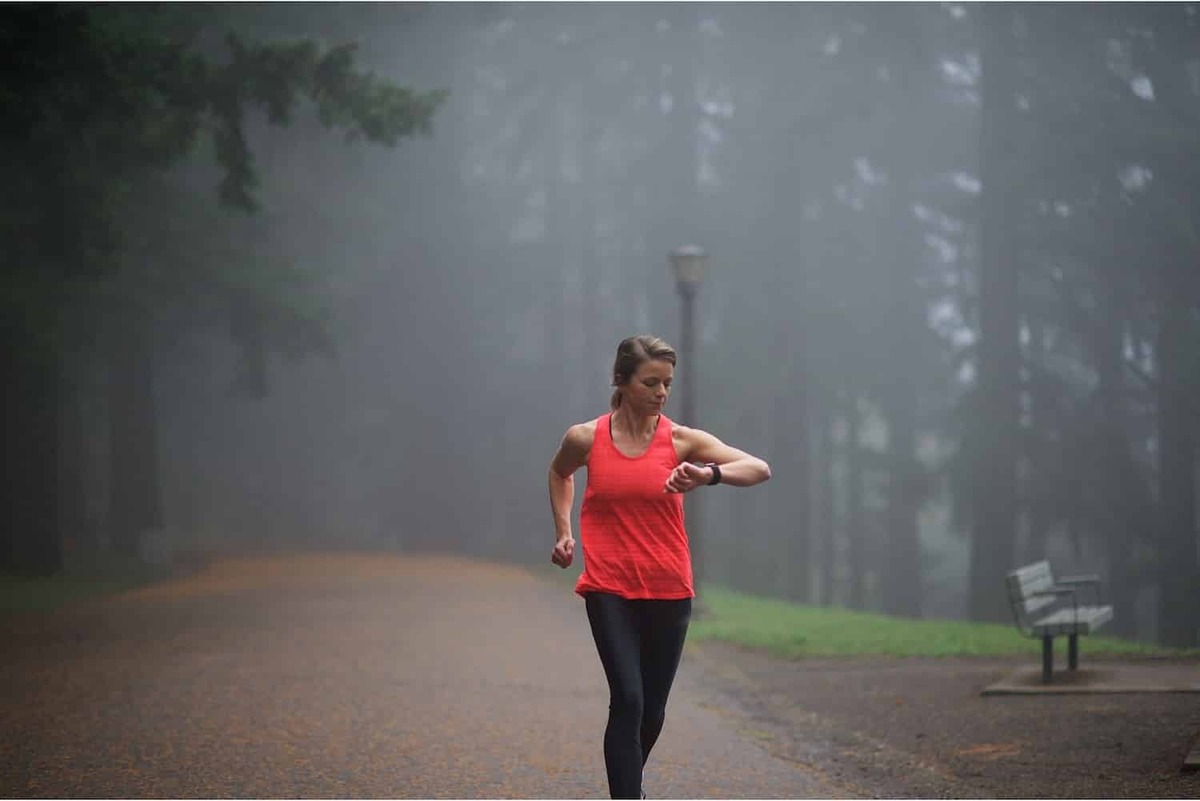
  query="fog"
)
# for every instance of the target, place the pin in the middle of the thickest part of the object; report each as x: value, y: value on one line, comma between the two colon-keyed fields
x: 950, y: 296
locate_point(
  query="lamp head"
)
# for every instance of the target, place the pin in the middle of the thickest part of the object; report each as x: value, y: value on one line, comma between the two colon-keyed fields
x: 687, y: 263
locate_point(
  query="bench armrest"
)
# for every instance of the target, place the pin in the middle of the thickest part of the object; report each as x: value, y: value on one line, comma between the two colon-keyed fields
x: 1090, y: 580
x: 1053, y: 591
x: 1059, y: 591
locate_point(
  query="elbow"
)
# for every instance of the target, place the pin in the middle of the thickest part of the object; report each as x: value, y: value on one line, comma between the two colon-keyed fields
x: 764, y: 471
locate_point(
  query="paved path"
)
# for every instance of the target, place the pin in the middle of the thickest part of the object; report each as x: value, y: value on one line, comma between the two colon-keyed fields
x: 345, y: 676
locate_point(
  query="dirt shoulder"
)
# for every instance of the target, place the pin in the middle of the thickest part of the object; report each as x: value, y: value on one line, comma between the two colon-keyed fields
x: 903, y: 728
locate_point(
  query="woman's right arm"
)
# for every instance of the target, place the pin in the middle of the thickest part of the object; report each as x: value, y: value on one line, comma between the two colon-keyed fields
x: 572, y: 455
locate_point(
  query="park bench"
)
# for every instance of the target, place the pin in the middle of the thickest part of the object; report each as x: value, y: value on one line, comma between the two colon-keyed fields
x: 1045, y: 607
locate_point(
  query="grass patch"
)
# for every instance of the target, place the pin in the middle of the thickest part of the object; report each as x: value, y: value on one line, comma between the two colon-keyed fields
x: 793, y: 630
x: 19, y: 594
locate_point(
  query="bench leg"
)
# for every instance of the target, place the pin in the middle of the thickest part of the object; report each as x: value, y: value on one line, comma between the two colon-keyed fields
x: 1047, y: 658
x: 1073, y: 651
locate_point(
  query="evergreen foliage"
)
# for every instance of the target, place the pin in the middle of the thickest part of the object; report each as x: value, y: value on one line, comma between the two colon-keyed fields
x: 99, y: 105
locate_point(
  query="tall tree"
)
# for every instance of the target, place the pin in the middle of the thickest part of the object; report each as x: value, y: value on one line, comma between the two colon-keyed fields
x: 1171, y: 50
x: 993, y: 435
x: 95, y: 101
x: 904, y: 319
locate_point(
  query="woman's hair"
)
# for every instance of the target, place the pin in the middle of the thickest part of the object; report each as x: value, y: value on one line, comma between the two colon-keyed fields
x: 632, y: 353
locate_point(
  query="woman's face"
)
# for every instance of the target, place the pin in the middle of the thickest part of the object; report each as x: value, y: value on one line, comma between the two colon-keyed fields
x: 647, y: 390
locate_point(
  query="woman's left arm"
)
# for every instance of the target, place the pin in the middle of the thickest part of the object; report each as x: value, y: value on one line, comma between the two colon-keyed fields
x: 738, y: 468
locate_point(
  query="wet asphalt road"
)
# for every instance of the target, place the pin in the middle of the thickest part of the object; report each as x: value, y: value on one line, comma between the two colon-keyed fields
x: 346, y: 676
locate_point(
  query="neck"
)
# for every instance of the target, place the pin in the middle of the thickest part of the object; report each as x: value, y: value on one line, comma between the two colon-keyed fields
x: 641, y: 426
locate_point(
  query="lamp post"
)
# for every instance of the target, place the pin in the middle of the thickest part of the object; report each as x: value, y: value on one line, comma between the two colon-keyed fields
x: 687, y: 265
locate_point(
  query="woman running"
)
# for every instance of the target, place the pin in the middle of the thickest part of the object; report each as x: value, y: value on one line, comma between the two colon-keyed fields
x: 637, y: 576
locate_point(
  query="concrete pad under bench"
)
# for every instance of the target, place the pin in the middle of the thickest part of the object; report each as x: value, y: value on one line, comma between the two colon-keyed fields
x: 1127, y: 677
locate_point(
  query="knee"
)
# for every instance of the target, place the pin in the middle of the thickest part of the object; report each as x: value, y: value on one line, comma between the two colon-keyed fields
x: 627, y: 703
x: 653, y: 715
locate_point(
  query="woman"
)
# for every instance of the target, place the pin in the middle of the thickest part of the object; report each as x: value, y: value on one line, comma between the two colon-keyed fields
x: 637, y: 576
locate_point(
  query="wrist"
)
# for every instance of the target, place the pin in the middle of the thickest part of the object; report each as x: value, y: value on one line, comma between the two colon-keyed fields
x: 715, y: 470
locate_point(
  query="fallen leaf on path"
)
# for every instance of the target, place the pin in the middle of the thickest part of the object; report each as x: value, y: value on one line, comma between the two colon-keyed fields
x: 992, y: 750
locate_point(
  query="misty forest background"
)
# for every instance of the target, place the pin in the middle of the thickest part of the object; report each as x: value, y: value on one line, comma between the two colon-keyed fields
x: 265, y: 290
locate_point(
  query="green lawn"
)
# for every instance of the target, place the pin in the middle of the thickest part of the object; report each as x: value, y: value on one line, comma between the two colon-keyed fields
x: 792, y: 630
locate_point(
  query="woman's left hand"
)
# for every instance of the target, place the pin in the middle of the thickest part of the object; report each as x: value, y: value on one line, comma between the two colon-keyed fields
x: 687, y: 476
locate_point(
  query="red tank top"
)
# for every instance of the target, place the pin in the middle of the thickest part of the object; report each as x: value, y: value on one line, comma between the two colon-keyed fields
x: 631, y: 529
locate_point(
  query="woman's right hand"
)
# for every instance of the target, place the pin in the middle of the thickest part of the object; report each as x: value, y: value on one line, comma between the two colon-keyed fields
x: 564, y: 552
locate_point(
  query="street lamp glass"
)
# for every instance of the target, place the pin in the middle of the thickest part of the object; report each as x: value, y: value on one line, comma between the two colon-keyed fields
x: 688, y: 262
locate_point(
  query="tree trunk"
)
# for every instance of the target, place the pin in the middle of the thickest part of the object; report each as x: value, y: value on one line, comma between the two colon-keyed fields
x: 791, y: 412
x: 1044, y: 495
x: 824, y: 502
x: 1117, y: 480
x: 29, y: 541
x: 790, y: 513
x: 902, y: 594
x: 1178, y: 573
x: 996, y: 426
x: 901, y: 571
x: 74, y: 522
x: 1178, y: 388
x: 855, y: 517
x: 135, y: 500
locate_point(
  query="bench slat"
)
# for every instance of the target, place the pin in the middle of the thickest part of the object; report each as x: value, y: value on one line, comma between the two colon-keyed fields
x: 1029, y: 580
x: 1035, y: 606
x: 1066, y: 621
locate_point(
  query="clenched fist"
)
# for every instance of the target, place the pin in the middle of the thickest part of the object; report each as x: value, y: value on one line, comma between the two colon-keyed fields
x: 564, y: 552
x: 687, y: 476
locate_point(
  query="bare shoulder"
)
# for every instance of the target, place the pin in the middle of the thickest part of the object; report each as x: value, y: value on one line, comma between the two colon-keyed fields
x: 688, y: 440
x: 576, y: 446
x: 581, y: 435
x: 680, y: 434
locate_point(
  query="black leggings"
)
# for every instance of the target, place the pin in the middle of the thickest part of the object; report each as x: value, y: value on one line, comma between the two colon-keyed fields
x: 640, y: 643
